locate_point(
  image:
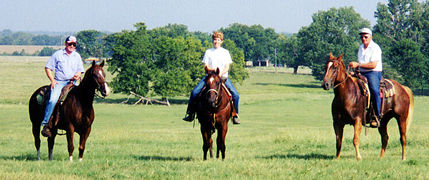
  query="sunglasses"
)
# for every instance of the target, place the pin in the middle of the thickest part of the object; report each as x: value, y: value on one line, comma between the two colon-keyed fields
x: 364, y: 37
x: 71, y: 44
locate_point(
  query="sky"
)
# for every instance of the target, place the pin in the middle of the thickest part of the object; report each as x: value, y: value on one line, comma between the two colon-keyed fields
x: 198, y: 15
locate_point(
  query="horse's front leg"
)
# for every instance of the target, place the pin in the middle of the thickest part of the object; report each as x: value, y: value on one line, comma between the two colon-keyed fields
x: 220, y: 141
x: 70, y: 145
x: 339, y: 131
x: 357, y: 130
x: 82, y: 142
x: 207, y: 141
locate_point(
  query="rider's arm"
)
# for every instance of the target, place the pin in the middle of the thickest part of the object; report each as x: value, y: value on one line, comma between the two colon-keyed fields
x: 225, y: 70
x: 51, y: 77
x: 370, y: 65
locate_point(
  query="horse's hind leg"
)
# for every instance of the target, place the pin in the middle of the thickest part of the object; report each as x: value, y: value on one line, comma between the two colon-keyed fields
x: 402, y: 123
x: 36, y: 135
x: 383, y: 133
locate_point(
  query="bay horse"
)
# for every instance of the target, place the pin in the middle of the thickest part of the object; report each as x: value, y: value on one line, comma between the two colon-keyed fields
x: 349, y: 104
x: 75, y: 114
x: 214, y: 109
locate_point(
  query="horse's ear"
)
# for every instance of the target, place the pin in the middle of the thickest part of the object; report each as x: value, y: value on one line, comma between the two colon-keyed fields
x: 93, y: 63
x: 331, y: 56
x: 217, y: 71
x: 341, y: 56
x: 206, y: 69
x: 102, y: 63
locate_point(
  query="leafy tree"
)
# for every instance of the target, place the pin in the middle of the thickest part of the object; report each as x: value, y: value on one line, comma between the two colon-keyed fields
x: 150, y: 64
x: 288, y: 52
x: 410, y: 62
x: 335, y: 30
x: 131, y: 61
x: 46, y: 51
x: 90, y: 43
x: 402, y: 32
x: 256, y: 42
x: 171, y: 30
x: 237, y: 72
x: 171, y: 57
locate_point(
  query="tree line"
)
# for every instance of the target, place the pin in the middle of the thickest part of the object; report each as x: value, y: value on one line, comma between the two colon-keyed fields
x: 150, y: 61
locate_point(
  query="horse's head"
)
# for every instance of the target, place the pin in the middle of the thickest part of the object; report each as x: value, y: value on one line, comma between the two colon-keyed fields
x: 96, y: 76
x: 333, y: 68
x: 213, y: 85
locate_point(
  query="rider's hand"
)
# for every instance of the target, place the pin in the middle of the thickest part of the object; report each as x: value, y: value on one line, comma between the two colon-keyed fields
x: 76, y: 76
x: 353, y: 64
x: 53, y: 84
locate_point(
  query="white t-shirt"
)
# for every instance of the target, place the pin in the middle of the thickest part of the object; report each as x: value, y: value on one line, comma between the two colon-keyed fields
x: 217, y: 58
x: 371, y: 53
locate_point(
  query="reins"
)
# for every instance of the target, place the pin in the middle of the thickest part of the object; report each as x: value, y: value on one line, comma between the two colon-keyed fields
x: 347, y: 74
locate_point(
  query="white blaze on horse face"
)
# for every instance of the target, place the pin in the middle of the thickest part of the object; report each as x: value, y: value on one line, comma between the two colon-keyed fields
x: 101, y: 73
x: 330, y: 64
x: 107, y: 89
x: 211, y: 80
x: 105, y: 84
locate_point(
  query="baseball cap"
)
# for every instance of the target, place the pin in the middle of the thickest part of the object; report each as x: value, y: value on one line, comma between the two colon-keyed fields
x: 71, y: 39
x: 365, y: 31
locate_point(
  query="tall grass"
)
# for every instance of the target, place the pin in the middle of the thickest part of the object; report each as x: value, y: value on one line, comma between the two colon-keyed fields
x: 286, y: 133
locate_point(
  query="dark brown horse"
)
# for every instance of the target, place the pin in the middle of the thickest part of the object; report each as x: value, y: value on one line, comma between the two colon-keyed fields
x: 214, y: 110
x: 76, y: 113
x: 348, y: 106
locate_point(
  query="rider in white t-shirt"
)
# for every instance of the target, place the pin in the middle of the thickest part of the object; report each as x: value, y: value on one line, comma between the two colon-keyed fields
x: 216, y: 57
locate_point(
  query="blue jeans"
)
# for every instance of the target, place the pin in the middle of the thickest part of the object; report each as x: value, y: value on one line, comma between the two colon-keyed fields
x: 53, y: 99
x: 228, y: 84
x: 374, y: 78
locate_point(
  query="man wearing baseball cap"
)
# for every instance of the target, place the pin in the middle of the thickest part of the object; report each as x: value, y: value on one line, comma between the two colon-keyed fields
x: 68, y: 66
x: 370, y: 65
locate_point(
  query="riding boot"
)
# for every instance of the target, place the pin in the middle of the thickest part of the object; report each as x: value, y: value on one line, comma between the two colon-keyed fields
x: 235, y: 119
x: 46, y: 131
x: 190, y: 116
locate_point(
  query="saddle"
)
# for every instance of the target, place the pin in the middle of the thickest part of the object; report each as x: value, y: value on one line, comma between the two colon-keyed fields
x: 43, y: 98
x: 233, y: 113
x: 387, y: 90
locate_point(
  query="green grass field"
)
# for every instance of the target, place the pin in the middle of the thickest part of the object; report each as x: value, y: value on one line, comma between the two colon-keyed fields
x: 286, y: 133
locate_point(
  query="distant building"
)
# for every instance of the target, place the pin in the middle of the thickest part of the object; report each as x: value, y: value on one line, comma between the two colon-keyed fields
x: 264, y: 63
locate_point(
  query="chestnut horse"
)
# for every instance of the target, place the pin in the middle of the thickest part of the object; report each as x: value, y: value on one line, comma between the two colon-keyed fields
x: 214, y: 110
x: 348, y: 106
x: 76, y: 113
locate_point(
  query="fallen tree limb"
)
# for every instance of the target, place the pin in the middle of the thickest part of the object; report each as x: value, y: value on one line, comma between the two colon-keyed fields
x: 146, y: 100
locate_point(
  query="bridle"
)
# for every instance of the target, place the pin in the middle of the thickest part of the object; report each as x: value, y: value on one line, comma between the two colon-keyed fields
x: 216, y: 91
x: 100, y: 85
x: 335, y: 74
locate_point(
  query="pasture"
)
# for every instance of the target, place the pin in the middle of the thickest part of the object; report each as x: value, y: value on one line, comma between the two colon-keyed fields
x: 286, y: 133
x: 28, y: 49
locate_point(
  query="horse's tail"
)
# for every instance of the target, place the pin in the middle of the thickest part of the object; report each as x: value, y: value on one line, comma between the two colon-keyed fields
x: 410, y: 107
